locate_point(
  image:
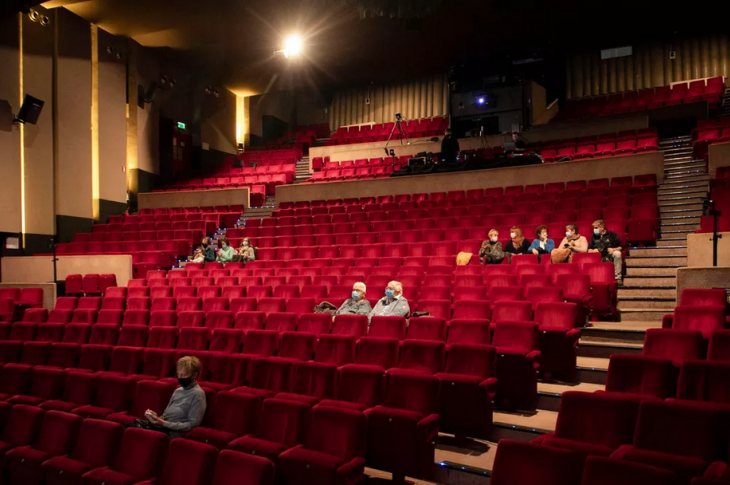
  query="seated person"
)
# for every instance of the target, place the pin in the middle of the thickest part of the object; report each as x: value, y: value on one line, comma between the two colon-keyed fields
x: 520, y: 143
x: 226, y: 253
x: 542, y: 245
x: 393, y: 303
x: 571, y: 243
x: 449, y: 148
x: 357, y: 304
x: 491, y: 250
x: 608, y: 244
x: 208, y: 252
x: 246, y: 252
x: 517, y: 243
x: 187, y: 405
x: 197, y: 256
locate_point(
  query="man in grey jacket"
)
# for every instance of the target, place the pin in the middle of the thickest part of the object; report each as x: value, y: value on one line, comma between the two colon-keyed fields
x: 187, y: 405
x: 393, y: 303
x: 357, y: 304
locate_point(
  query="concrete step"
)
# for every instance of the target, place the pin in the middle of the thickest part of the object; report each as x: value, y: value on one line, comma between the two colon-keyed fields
x: 663, y: 305
x: 627, y: 332
x: 604, y: 350
x: 658, y: 252
x: 679, y: 227
x: 693, y: 161
x: 688, y: 178
x: 677, y: 218
x: 672, y: 241
x: 684, y: 167
x: 654, y: 282
x: 676, y: 232
x: 645, y: 292
x: 680, y: 208
x: 681, y: 199
x: 630, y: 315
x: 651, y: 271
x: 592, y: 370
x: 667, y: 261
x: 671, y: 186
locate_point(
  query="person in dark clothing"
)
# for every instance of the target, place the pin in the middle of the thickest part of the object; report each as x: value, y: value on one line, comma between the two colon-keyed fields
x: 449, y: 148
x: 520, y: 143
x: 517, y: 243
x: 608, y: 244
x: 208, y: 252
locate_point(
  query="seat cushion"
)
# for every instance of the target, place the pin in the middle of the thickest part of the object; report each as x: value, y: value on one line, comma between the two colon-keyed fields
x: 57, y: 405
x: 254, y: 446
x: 107, y: 476
x: 460, y: 378
x: 62, y: 470
x: 122, y: 418
x: 312, y: 401
x: 94, y: 412
x: 23, y: 465
x: 28, y: 400
x: 685, y: 467
x: 262, y: 393
x: 581, y: 447
x: 343, y: 404
x: 216, y: 386
x: 307, y: 467
x: 210, y: 436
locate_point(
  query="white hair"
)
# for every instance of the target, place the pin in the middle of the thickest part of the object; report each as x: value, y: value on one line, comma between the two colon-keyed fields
x: 397, y: 287
x: 360, y: 286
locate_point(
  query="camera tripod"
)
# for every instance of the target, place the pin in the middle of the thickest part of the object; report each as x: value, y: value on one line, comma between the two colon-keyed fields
x: 401, y: 132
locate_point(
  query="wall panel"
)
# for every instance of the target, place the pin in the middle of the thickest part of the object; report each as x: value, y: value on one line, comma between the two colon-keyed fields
x: 649, y: 66
x: 10, y: 215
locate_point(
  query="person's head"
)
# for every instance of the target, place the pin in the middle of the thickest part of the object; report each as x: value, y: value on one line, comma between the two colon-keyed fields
x: 599, y: 227
x: 224, y: 242
x: 571, y: 230
x: 541, y: 232
x: 188, y: 370
x: 447, y: 132
x: 205, y: 242
x: 516, y: 234
x: 494, y: 235
x: 515, y: 136
x: 246, y: 242
x: 358, y: 291
x: 393, y: 289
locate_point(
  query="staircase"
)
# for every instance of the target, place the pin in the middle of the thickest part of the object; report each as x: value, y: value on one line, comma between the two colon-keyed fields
x: 302, y: 171
x: 650, y: 285
x: 258, y: 212
x: 724, y: 109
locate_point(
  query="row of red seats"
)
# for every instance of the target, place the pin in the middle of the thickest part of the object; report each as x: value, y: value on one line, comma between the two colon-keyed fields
x: 257, y: 193
x: 362, y: 173
x: 58, y: 448
x: 347, y: 135
x: 603, y: 438
x: 326, y: 164
x: 720, y: 195
x: 650, y: 132
x: 652, y: 98
x: 267, y: 155
x: 600, y: 150
x: 14, y: 301
x: 187, y: 210
x: 648, y: 180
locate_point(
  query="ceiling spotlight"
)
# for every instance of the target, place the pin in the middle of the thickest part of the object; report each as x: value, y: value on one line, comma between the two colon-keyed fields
x: 34, y: 16
x: 45, y: 21
x: 292, y: 46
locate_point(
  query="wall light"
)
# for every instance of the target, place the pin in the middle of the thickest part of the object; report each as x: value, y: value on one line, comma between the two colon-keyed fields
x: 292, y: 46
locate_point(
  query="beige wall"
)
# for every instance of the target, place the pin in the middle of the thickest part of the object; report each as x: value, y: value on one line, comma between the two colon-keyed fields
x: 49, y: 291
x: 10, y: 217
x: 502, y: 177
x: 39, y: 269
x: 194, y: 199
x: 702, y: 277
x: 112, y: 119
x: 38, y: 138
x: 418, y: 98
x: 649, y: 66
x: 699, y: 250
x: 719, y: 156
x: 218, y: 125
x: 73, y: 124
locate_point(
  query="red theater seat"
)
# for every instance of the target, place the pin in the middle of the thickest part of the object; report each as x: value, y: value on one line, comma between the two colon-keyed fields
x: 639, y: 374
x: 519, y: 463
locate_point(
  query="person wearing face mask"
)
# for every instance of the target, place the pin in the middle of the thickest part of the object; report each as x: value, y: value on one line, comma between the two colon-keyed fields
x: 226, y: 254
x: 187, y: 405
x: 356, y: 304
x: 491, y: 250
x: 393, y: 303
x: 246, y: 251
x: 207, y: 250
x: 571, y: 243
x: 517, y: 243
x: 608, y: 245
x: 542, y: 245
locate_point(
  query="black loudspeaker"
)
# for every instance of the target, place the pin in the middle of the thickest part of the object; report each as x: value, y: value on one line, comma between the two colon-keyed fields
x: 149, y: 96
x: 30, y: 110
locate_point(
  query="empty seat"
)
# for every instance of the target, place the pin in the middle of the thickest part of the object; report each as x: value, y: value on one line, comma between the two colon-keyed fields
x: 677, y: 345
x: 22, y: 428
x: 297, y: 345
x: 354, y: 325
x: 517, y: 357
x: 639, y: 374
x: 427, y: 328
x: 114, y: 395
x: 336, y: 349
x: 605, y: 471
x: 234, y: 466
x: 520, y: 463
x: 706, y: 319
x: 387, y: 327
x: 704, y: 381
x: 236, y: 414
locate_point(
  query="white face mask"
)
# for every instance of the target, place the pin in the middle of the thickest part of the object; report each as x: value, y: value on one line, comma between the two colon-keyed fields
x: 494, y: 239
x: 568, y: 234
x: 245, y: 243
x: 513, y: 235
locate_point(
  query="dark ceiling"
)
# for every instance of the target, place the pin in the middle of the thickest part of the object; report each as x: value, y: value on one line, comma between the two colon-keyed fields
x: 234, y: 40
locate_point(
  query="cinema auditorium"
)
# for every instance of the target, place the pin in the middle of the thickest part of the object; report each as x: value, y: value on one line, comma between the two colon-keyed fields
x: 341, y: 242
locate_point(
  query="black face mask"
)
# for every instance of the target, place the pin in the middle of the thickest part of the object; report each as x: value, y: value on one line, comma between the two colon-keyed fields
x: 205, y: 245
x: 184, y: 381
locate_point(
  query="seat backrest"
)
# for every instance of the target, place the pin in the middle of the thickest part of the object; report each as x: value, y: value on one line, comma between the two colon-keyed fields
x: 606, y: 419
x: 601, y: 470
x: 361, y: 384
x: 705, y: 318
x: 471, y: 359
x: 58, y: 433
x: 115, y: 392
x: 413, y: 392
x: 297, y: 345
x: 282, y: 322
x: 236, y: 412
x: 316, y: 323
x: 703, y: 297
x: 513, y: 334
x: 677, y: 345
x: 189, y: 462
x: 338, y: 432
x: 512, y: 310
x: 272, y: 374
x: 283, y: 421
x: 556, y: 466
x: 469, y: 331
x: 427, y: 328
x: 336, y: 349
x: 696, y: 430
x: 354, y: 325
x: 375, y: 351
x: 234, y: 467
x: 98, y: 442
x: 422, y: 356
x: 704, y: 381
x: 315, y: 379
x: 719, y: 349
x: 142, y: 453
x: 23, y: 425
x: 557, y: 315
x: 387, y: 327
x: 260, y: 342
x: 639, y: 374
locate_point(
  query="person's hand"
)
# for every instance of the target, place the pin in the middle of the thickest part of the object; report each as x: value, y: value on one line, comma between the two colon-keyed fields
x: 593, y: 250
x: 534, y: 251
x: 157, y: 420
x: 611, y: 250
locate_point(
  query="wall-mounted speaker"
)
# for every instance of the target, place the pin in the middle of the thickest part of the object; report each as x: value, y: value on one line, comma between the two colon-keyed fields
x: 30, y: 110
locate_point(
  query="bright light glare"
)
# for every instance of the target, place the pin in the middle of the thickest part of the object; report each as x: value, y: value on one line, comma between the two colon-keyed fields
x: 292, y: 45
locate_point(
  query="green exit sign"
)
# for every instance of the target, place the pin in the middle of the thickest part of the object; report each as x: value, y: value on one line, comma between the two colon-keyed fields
x: 181, y: 125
